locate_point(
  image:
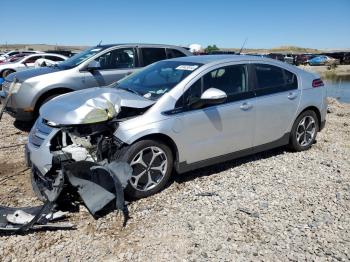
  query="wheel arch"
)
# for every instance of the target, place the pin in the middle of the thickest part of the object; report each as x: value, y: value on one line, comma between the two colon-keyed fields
x: 41, y: 99
x: 165, y: 139
x: 4, y: 70
x: 317, y: 112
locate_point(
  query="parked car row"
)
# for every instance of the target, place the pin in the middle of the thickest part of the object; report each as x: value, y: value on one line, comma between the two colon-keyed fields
x: 181, y: 113
x: 22, y: 62
x: 310, y: 59
x: 6, y: 55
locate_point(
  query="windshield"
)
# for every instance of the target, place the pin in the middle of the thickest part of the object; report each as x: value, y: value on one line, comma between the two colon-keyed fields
x: 157, y: 79
x: 80, y: 57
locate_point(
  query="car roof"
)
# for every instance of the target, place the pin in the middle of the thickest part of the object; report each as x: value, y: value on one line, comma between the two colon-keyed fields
x: 206, y: 59
x: 41, y: 54
x: 210, y: 60
x: 105, y: 46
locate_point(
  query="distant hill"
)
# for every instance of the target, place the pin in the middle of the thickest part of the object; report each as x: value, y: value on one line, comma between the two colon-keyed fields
x: 41, y: 47
x: 280, y: 49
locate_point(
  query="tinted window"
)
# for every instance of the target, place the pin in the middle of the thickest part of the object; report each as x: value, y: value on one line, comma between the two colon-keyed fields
x: 233, y: 80
x: 173, y: 53
x: 31, y: 59
x: 272, y: 79
x: 269, y: 76
x: 191, y: 95
x: 230, y: 79
x: 118, y: 58
x: 53, y: 58
x: 291, y: 80
x: 151, y: 55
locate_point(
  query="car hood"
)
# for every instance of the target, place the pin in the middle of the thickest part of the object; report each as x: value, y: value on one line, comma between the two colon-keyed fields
x: 24, y: 75
x: 89, y: 106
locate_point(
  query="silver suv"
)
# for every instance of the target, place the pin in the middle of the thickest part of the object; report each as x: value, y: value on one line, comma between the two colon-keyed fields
x: 96, y: 66
x: 181, y: 114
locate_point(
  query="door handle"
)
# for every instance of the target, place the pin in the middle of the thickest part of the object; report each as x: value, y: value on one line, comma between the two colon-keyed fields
x: 292, y: 95
x: 246, y: 106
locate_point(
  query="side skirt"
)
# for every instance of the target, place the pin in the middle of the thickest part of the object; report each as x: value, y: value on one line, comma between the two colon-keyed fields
x: 184, y: 167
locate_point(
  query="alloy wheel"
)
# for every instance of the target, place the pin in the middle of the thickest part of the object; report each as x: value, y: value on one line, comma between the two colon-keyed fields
x: 306, y: 131
x: 149, y: 168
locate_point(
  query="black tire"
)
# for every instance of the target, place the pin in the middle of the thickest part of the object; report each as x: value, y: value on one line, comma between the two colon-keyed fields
x: 296, y: 145
x: 47, y: 99
x: 130, y: 152
x: 5, y: 73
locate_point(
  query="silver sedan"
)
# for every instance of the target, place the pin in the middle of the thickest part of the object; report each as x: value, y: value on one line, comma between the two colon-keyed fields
x: 181, y: 114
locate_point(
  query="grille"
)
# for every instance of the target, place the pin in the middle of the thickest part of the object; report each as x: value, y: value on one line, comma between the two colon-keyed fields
x: 39, y: 132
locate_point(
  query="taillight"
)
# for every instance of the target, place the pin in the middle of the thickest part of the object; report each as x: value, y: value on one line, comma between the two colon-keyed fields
x: 317, y: 83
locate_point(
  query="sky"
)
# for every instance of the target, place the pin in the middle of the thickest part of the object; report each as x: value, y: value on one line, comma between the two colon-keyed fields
x: 265, y: 23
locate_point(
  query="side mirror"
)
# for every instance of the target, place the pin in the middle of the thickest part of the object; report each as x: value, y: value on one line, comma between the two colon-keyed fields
x: 211, y: 96
x: 93, y: 65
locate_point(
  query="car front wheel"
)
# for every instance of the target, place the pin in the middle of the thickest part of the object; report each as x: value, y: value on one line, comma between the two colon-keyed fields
x: 152, y: 164
x: 304, y: 131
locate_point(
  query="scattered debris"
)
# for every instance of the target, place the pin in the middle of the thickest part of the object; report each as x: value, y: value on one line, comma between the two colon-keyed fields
x: 97, y: 186
x: 207, y: 194
x: 20, y: 220
x: 249, y: 212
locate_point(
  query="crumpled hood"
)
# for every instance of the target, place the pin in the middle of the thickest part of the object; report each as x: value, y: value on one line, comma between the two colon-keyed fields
x: 24, y: 75
x: 90, y: 105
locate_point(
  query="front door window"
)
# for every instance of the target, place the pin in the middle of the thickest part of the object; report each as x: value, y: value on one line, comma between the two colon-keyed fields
x: 117, y: 59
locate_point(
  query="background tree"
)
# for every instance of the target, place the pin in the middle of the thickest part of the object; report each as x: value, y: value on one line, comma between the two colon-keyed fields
x: 211, y: 49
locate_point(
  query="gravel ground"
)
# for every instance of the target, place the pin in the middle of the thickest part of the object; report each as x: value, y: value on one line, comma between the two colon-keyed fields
x: 276, y: 205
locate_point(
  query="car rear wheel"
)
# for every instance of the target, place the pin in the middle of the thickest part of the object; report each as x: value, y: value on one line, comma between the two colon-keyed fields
x: 152, y: 164
x: 7, y: 72
x: 304, y: 131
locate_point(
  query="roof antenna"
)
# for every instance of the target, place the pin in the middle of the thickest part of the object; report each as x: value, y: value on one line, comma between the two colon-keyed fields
x: 243, y: 45
x: 99, y: 43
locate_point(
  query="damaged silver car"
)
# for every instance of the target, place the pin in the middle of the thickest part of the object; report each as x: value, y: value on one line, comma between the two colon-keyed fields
x: 182, y: 114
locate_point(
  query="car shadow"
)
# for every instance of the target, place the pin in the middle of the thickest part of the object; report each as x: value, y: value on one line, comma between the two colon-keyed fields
x: 23, y: 126
x: 217, y: 168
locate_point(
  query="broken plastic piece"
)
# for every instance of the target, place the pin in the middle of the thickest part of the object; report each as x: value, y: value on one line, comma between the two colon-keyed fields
x: 23, y: 219
x: 99, y: 185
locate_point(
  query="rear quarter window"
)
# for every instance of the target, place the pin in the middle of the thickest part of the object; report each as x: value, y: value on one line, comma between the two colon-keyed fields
x: 273, y: 79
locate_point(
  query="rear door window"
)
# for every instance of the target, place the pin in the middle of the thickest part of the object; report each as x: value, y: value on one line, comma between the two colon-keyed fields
x: 273, y: 79
x: 32, y: 59
x: 53, y: 58
x: 173, y: 53
x: 151, y: 55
